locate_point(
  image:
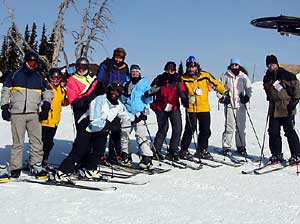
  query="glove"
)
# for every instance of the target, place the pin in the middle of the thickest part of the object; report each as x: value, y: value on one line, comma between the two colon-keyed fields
x: 225, y: 100
x: 244, y: 98
x: 43, y: 115
x: 137, y: 119
x: 292, y: 105
x: 152, y: 91
x: 106, y: 126
x: 5, y: 112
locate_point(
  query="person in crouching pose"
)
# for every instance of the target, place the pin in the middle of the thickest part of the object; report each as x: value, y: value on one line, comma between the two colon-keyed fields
x: 136, y: 103
x: 103, y: 114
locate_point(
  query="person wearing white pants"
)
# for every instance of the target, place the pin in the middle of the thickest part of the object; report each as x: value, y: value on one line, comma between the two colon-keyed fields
x: 136, y: 100
x: 238, y: 85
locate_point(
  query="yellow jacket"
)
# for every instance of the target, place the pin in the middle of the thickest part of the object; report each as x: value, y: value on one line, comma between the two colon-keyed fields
x: 58, y: 101
x: 198, y: 87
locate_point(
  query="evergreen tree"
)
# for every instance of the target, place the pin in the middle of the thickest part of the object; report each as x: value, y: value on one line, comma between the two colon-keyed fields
x: 50, y: 47
x: 3, y: 58
x: 180, y: 69
x: 32, y: 40
x: 43, y: 43
x: 4, y: 55
x: 14, y: 54
x: 26, y: 38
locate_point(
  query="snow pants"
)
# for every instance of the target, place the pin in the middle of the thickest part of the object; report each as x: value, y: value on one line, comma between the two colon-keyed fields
x: 235, y: 124
x: 203, y: 119
x: 275, y: 143
x: 114, y: 146
x: 163, y: 118
x: 20, y: 123
x: 140, y: 135
x: 48, y: 134
x: 87, y: 148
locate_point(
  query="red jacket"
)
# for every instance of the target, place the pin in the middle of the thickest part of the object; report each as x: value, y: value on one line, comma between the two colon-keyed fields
x: 171, y: 89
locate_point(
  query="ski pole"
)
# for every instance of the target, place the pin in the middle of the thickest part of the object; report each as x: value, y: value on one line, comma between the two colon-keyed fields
x: 153, y: 147
x: 252, y: 126
x: 264, y: 138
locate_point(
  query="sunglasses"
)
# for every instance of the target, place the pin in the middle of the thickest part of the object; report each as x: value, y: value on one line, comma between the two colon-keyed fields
x: 235, y: 65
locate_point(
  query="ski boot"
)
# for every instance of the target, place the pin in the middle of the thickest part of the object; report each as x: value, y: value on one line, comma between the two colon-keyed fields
x: 4, y: 173
x: 242, y: 151
x: 172, y: 156
x: 226, y: 151
x: 15, y: 173
x: 103, y: 161
x: 145, y: 163
x: 294, y: 160
x: 204, y: 154
x: 126, y: 160
x: 60, y: 177
x: 185, y: 154
x: 93, y: 174
x: 275, y: 159
x: 38, y: 171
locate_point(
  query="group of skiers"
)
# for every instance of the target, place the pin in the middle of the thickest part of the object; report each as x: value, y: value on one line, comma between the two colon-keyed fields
x: 117, y: 100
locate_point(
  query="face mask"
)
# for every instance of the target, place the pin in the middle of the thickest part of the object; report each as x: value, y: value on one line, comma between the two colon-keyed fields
x: 134, y: 80
x: 235, y: 71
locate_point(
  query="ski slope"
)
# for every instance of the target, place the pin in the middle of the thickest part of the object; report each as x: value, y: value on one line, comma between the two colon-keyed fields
x: 220, y: 195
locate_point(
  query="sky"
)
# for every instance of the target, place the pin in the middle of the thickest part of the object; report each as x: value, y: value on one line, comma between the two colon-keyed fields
x: 154, y: 32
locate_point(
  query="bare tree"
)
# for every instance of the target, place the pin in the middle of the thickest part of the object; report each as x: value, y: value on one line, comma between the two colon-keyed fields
x: 93, y: 23
x: 59, y: 32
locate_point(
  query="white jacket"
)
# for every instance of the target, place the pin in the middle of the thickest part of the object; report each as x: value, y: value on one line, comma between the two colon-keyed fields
x: 101, y: 110
x: 236, y: 85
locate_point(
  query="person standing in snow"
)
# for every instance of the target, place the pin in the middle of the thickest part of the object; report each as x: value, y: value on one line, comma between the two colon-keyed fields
x: 103, y: 114
x: 113, y: 70
x: 167, y: 89
x: 49, y: 126
x: 81, y: 90
x: 197, y: 83
x: 283, y: 93
x: 23, y: 93
x: 137, y: 104
x: 239, y: 86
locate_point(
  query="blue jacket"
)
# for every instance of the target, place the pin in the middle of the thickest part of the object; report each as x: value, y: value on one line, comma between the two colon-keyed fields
x: 108, y: 73
x: 135, y: 101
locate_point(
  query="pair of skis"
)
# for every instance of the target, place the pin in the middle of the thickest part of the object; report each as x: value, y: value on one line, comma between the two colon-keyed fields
x: 59, y: 184
x: 269, y: 168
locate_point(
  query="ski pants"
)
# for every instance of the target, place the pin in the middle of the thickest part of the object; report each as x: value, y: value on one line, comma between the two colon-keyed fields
x: 203, y: 119
x: 114, y: 148
x: 275, y: 143
x: 163, y: 118
x: 235, y: 123
x: 20, y: 123
x: 140, y: 135
x: 48, y: 134
x: 87, y: 147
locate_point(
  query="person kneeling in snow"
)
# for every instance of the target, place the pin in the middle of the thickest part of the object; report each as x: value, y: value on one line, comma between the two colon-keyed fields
x: 136, y: 104
x: 104, y: 112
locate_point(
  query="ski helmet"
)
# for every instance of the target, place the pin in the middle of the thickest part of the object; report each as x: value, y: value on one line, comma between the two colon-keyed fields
x: 191, y: 61
x: 82, y: 61
x: 31, y: 56
x: 119, y: 52
x: 55, y: 76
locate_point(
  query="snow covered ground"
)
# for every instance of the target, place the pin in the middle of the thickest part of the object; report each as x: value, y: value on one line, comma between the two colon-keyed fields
x: 221, y: 195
